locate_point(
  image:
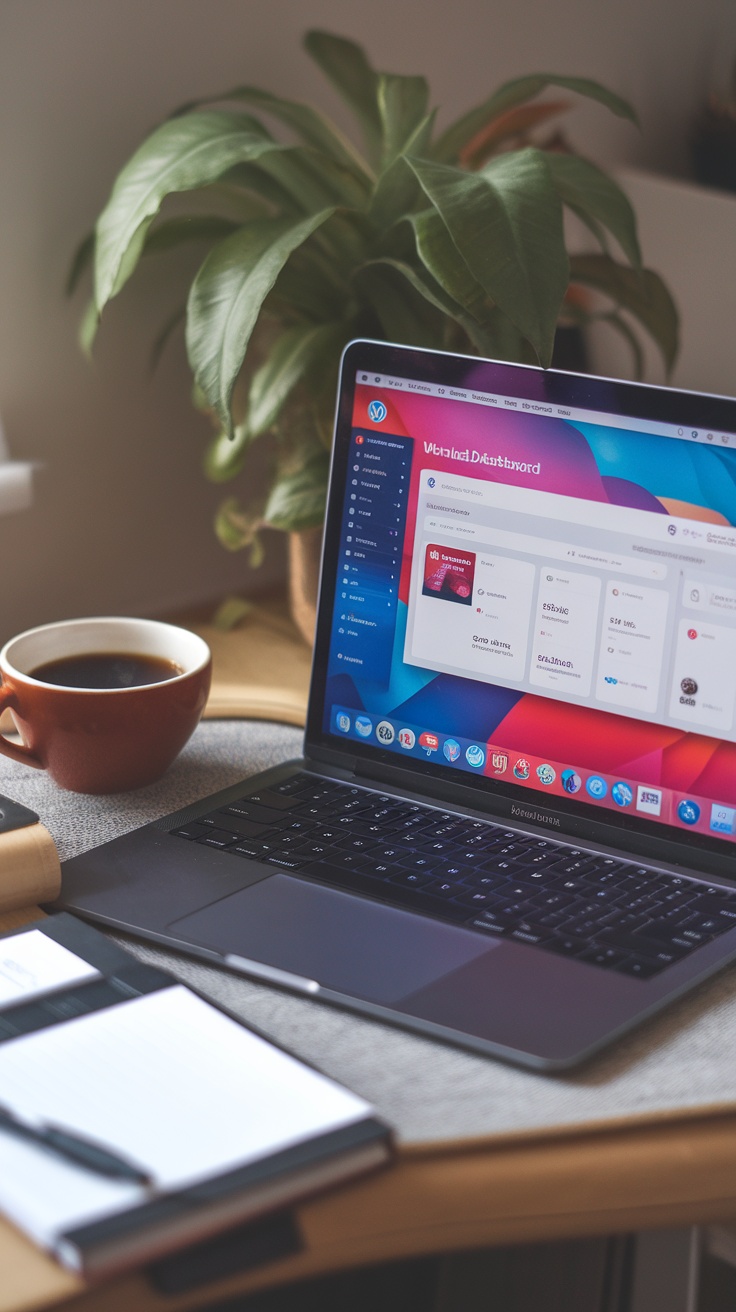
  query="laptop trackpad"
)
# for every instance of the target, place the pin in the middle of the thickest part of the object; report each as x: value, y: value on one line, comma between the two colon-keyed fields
x: 348, y: 944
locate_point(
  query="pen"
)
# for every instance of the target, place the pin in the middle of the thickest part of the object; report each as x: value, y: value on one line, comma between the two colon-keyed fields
x: 74, y: 1148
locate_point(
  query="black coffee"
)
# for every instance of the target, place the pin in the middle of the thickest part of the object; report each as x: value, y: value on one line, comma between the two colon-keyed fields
x: 106, y: 669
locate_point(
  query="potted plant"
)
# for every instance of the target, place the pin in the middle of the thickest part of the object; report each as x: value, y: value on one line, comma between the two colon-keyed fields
x: 450, y: 239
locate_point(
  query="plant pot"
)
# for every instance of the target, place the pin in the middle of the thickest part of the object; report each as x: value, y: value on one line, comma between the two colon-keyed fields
x: 305, y: 552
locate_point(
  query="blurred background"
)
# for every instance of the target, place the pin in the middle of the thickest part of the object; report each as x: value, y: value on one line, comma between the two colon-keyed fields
x: 119, y: 518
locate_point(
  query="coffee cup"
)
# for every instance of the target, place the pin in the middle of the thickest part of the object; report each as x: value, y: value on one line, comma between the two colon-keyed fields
x: 105, y: 705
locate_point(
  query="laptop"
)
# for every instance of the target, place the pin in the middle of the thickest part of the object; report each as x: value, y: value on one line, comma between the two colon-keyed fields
x: 514, y: 823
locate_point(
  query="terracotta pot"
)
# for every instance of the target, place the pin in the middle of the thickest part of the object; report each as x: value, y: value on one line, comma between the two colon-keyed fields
x: 305, y: 550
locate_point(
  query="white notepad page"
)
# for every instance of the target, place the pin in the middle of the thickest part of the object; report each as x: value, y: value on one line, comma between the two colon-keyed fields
x: 168, y: 1081
x: 33, y: 964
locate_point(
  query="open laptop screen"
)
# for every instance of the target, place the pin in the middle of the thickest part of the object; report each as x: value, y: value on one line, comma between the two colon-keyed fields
x: 532, y: 579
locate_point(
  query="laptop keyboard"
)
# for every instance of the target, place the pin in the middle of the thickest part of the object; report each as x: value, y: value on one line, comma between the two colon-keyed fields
x: 598, y: 909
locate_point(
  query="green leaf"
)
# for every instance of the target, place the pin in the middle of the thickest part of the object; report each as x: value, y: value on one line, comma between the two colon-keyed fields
x: 640, y: 291
x: 225, y: 455
x: 298, y: 497
x: 296, y: 353
x: 175, y: 232
x: 507, y: 224
x: 314, y: 127
x: 397, y: 189
x: 435, y: 296
x: 593, y: 194
x: 81, y: 259
x: 303, y: 289
x: 231, y: 612
x: 88, y: 328
x: 403, y: 314
x: 240, y: 183
x: 226, y: 298
x: 506, y: 342
x: 182, y: 154
x: 345, y: 64
x: 402, y: 105
x: 513, y: 93
x: 237, y: 528
x: 441, y: 257
x: 312, y: 180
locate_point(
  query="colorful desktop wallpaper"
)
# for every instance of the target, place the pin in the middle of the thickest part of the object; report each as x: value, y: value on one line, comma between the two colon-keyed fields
x: 614, y: 466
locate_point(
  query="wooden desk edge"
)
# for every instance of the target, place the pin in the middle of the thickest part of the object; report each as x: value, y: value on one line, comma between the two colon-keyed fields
x: 676, y: 1172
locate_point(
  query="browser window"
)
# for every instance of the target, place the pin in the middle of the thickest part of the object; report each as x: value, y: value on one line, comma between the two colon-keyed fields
x: 542, y: 595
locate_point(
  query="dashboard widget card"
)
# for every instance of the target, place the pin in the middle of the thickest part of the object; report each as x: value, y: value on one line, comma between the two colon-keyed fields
x: 632, y: 646
x: 702, y: 691
x: 565, y: 631
x: 449, y: 574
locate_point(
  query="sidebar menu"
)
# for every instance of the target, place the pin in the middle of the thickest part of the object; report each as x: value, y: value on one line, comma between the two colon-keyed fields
x: 371, y: 543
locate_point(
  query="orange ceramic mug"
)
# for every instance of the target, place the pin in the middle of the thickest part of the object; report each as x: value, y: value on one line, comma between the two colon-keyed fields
x: 103, y: 704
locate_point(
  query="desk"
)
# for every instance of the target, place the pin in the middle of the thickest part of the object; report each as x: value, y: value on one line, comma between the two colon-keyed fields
x: 644, y: 1136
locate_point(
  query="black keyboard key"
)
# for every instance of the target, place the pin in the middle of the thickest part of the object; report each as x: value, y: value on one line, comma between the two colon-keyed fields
x: 286, y: 860
x: 273, y: 799
x: 718, y: 907
x: 218, y: 838
x: 555, y: 919
x: 531, y: 934
x: 490, y: 926
x: 503, y: 866
x: 412, y: 878
x: 475, y: 897
x: 445, y: 888
x: 541, y: 860
x: 709, y: 926
x: 380, y: 868
x: 556, y: 901
x: 191, y: 831
x: 567, y: 945
x: 235, y: 821
x: 454, y: 871
x: 646, y: 944
x: 296, y: 784
x: 263, y: 815
x: 346, y: 859
x: 413, y: 861
x: 247, y: 849
x: 579, y: 866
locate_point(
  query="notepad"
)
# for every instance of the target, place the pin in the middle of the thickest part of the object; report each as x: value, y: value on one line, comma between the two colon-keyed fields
x: 175, y: 1086
x: 32, y: 964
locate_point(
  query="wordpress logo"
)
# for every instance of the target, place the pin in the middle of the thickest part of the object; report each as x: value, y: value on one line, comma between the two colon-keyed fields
x: 377, y: 412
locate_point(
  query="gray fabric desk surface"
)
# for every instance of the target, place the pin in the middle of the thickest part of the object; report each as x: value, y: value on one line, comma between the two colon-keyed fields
x: 430, y: 1092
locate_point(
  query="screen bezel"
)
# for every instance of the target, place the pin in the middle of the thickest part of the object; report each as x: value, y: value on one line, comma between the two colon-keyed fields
x: 632, y: 400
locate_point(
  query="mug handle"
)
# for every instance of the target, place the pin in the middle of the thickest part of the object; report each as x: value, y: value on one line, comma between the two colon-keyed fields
x: 15, y: 751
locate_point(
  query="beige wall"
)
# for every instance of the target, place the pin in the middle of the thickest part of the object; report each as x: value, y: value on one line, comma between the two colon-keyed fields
x: 121, y: 517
